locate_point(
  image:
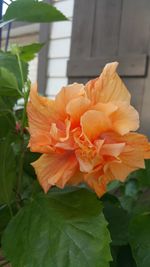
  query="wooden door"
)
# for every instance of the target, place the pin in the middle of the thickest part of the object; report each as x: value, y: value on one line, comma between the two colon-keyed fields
x: 114, y: 30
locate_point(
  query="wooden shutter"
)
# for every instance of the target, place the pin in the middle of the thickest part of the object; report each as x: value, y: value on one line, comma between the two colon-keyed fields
x: 114, y: 30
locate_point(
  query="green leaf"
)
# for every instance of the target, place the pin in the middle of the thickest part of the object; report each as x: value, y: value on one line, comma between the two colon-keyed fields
x: 10, y: 62
x: 5, y: 218
x: 122, y: 256
x: 28, y: 52
x: 63, y: 228
x: 29, y: 158
x: 140, y: 239
x: 143, y: 175
x: 7, y: 171
x: 117, y: 218
x: 32, y: 11
x: 7, y: 124
x: 8, y: 83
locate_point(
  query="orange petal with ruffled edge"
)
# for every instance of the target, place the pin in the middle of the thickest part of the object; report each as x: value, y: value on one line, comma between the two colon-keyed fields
x: 132, y: 157
x: 124, y: 119
x: 108, y: 87
x: 41, y: 113
x: 97, y: 181
x: 67, y: 94
x: 76, y: 109
x: 55, y: 169
x: 93, y: 123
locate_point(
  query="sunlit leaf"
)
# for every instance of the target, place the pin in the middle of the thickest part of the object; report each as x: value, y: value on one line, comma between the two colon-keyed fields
x: 32, y: 11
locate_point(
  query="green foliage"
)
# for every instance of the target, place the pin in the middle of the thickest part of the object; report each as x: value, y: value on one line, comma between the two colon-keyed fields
x: 118, y: 220
x: 64, y: 228
x: 8, y: 83
x: 28, y: 52
x: 140, y: 239
x: 8, y: 171
x: 4, y: 219
x: 10, y: 62
x: 32, y: 11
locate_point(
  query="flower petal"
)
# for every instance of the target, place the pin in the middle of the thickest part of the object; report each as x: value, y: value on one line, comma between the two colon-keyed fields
x: 125, y: 119
x: 76, y: 108
x: 93, y: 123
x: 108, y: 87
x: 41, y: 112
x: 55, y: 169
x: 106, y: 108
x: 67, y: 94
x: 112, y: 149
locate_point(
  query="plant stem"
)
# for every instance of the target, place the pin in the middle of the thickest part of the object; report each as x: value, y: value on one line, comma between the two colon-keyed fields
x: 20, y: 68
x: 22, y: 143
x: 23, y: 122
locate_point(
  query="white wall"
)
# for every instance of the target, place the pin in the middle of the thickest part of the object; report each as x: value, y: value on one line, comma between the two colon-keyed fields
x: 59, y: 48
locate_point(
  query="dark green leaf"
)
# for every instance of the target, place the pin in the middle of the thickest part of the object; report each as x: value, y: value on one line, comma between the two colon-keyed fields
x: 7, y: 123
x: 8, y: 83
x: 117, y: 218
x: 7, y: 170
x: 143, y: 175
x: 4, y: 218
x: 10, y: 62
x: 63, y: 228
x: 28, y: 52
x: 29, y: 158
x: 32, y: 11
x: 122, y: 256
x: 140, y: 239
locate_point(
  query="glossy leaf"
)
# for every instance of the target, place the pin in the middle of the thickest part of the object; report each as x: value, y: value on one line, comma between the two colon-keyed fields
x: 28, y: 52
x: 32, y: 11
x: 140, y: 239
x: 7, y: 170
x: 63, y: 228
x: 8, y: 83
x: 10, y: 62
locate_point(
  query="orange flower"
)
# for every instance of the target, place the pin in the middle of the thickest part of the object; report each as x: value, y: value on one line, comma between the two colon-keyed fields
x: 85, y: 134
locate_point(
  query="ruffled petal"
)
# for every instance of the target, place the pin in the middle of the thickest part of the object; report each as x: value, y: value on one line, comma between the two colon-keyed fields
x: 67, y: 94
x: 76, y: 109
x: 125, y: 119
x: 108, y: 87
x: 55, y: 169
x: 93, y: 123
x: 41, y: 113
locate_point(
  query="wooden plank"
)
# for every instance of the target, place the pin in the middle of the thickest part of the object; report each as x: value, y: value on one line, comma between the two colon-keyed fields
x: 82, y: 31
x: 134, y: 39
x: 128, y: 66
x: 106, y: 28
x: 136, y: 88
x: 134, y: 31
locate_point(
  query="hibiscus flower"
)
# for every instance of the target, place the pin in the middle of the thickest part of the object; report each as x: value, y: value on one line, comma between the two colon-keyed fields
x: 86, y: 134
